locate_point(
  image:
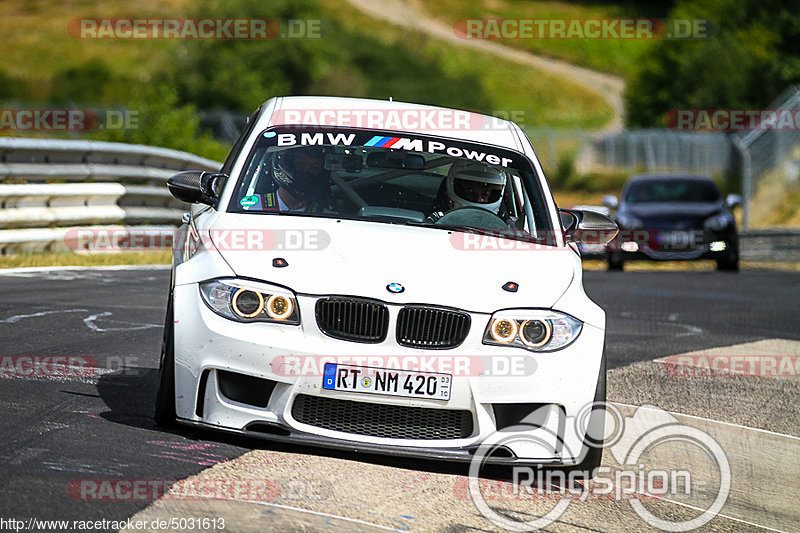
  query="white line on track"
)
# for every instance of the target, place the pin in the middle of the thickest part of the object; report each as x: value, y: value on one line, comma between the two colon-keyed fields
x: 729, y: 424
x: 17, y: 318
x: 34, y: 270
x: 715, y: 514
x: 90, y: 323
x: 319, y: 513
x: 766, y: 431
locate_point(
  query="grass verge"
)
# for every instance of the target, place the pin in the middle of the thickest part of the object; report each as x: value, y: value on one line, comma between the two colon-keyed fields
x: 47, y: 259
x: 614, y: 56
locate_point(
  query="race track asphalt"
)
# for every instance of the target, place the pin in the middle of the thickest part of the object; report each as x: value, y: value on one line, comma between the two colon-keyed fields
x: 57, y: 431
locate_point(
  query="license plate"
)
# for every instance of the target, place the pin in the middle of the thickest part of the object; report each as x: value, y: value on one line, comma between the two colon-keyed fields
x: 430, y: 385
x: 677, y: 239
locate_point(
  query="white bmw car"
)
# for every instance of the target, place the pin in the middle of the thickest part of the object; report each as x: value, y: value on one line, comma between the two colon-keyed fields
x: 388, y: 278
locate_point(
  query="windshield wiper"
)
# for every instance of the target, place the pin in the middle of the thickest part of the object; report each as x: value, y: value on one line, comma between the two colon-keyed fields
x: 453, y: 227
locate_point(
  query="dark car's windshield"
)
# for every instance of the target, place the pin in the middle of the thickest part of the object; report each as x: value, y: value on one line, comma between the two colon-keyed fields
x: 372, y: 176
x: 672, y: 190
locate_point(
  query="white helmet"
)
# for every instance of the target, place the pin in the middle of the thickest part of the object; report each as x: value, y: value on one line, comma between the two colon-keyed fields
x: 471, y: 184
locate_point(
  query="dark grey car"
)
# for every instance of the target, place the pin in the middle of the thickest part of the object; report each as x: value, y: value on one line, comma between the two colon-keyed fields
x: 674, y: 217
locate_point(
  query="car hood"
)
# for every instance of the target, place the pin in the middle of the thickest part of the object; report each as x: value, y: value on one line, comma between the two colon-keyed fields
x: 673, y: 209
x: 359, y: 258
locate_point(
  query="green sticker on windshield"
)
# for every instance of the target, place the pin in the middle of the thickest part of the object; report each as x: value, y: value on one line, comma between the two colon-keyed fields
x: 252, y: 201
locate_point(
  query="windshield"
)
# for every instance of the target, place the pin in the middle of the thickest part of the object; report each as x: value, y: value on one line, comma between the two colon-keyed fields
x: 373, y: 176
x: 672, y: 190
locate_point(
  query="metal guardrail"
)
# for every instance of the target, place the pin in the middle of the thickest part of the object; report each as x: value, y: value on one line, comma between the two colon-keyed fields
x: 770, y: 245
x: 48, y: 187
x: 111, y: 186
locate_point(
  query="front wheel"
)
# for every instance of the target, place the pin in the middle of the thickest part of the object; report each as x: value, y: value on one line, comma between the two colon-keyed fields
x: 615, y: 262
x: 730, y: 262
x: 594, y: 440
x: 165, y: 415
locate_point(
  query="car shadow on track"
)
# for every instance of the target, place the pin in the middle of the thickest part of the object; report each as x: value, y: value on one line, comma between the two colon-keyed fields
x: 130, y: 393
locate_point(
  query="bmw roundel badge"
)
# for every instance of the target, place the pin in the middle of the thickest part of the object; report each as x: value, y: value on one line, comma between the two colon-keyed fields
x: 395, y: 288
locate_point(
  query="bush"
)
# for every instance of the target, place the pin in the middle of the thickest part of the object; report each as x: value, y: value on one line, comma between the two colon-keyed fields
x: 161, y: 121
x: 754, y: 56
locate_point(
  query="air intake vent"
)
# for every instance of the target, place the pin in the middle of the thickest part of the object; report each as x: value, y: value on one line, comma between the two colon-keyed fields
x: 431, y: 327
x: 380, y: 420
x: 351, y: 319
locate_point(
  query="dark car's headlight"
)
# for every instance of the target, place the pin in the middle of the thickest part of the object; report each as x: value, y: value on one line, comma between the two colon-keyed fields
x: 719, y: 221
x: 250, y: 301
x: 532, y: 329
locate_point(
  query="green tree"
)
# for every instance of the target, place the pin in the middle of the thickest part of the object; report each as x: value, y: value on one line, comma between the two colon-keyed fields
x: 754, y: 56
x: 83, y: 83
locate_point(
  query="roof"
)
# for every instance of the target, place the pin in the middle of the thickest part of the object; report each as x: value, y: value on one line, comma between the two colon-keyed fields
x: 646, y: 177
x: 391, y: 116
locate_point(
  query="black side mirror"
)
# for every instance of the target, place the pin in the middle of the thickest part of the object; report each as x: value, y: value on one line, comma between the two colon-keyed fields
x: 197, y: 186
x: 587, y: 227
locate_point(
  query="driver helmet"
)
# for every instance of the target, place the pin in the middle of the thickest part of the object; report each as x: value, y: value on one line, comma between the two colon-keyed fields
x: 301, y: 171
x: 471, y: 184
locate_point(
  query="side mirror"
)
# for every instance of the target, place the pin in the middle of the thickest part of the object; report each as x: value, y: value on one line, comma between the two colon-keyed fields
x: 610, y: 201
x: 587, y: 227
x: 197, y: 186
x: 733, y: 200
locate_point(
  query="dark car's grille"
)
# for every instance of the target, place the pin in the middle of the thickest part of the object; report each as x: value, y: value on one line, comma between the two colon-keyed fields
x: 429, y: 327
x: 380, y: 420
x: 352, y: 319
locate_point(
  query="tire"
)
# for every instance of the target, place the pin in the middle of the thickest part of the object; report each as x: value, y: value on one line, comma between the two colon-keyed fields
x: 165, y: 415
x: 615, y: 262
x: 594, y: 454
x: 730, y: 263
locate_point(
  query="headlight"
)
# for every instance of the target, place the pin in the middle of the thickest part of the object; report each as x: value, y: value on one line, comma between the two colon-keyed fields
x: 535, y: 330
x: 719, y: 222
x: 250, y: 301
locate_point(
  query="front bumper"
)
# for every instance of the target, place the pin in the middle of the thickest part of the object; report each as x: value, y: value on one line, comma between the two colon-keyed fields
x: 698, y: 245
x: 562, y: 383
